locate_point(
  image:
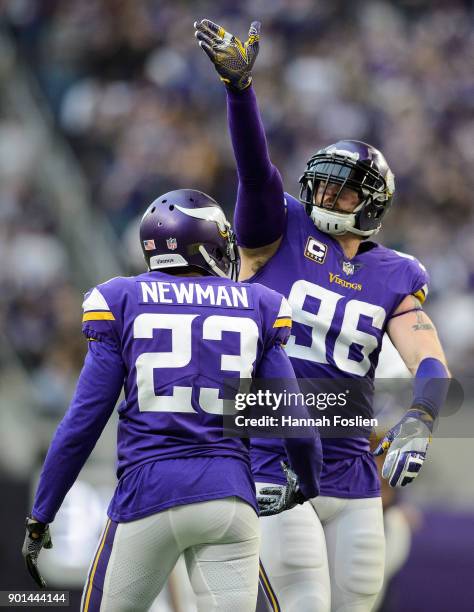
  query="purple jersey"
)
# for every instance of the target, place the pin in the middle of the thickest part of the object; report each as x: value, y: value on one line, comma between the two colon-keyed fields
x: 340, y: 311
x: 169, y: 342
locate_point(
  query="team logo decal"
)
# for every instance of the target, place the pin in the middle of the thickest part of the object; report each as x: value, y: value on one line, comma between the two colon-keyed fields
x: 348, y: 268
x: 149, y: 245
x: 172, y: 244
x: 315, y: 250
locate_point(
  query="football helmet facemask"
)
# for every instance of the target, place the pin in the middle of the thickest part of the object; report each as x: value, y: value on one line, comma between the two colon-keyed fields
x: 355, y: 165
x: 186, y: 229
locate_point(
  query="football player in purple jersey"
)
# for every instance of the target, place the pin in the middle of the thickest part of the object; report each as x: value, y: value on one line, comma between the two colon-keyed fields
x: 345, y: 291
x: 169, y: 338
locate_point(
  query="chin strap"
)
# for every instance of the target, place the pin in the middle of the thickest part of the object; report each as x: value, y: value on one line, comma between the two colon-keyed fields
x: 234, y: 258
x: 233, y: 273
x: 328, y: 220
x: 211, y: 262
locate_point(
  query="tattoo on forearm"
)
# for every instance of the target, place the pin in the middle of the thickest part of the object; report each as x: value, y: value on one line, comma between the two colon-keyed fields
x: 420, y: 324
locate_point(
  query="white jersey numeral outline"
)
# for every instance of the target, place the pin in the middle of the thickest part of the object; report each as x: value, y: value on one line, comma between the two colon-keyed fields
x: 180, y: 356
x: 321, y: 321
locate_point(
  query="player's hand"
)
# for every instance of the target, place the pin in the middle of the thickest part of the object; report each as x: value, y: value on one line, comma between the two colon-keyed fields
x: 406, y: 445
x: 232, y: 59
x: 37, y: 536
x: 273, y: 500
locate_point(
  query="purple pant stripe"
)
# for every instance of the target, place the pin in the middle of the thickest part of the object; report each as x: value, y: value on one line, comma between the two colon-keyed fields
x: 268, y: 590
x: 103, y: 555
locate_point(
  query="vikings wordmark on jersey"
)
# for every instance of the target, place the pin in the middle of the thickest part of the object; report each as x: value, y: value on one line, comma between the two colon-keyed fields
x: 340, y: 312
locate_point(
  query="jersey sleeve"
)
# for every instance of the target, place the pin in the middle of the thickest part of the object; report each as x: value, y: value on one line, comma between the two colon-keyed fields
x: 259, y: 217
x: 97, y: 392
x: 305, y: 455
x: 419, y: 280
x: 99, y: 323
x: 276, y: 317
x: 422, y: 293
x: 409, y: 277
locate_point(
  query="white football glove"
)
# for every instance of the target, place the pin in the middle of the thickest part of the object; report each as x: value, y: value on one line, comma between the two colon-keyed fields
x: 406, y: 445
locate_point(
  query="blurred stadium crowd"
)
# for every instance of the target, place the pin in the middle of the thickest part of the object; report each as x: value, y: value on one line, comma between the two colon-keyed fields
x: 135, y: 99
x: 124, y: 86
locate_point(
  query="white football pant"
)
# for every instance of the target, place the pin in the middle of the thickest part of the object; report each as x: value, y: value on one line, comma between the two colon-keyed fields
x: 219, y: 540
x: 326, y: 555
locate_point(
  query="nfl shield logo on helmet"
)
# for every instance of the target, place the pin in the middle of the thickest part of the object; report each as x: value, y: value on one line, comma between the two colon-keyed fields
x: 172, y: 244
x: 347, y: 268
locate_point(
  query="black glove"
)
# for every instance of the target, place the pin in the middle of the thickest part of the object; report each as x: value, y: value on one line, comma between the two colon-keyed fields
x: 232, y: 59
x: 37, y: 536
x: 273, y: 500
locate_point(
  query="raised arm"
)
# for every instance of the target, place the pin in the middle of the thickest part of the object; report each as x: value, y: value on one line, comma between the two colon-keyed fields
x: 260, y: 206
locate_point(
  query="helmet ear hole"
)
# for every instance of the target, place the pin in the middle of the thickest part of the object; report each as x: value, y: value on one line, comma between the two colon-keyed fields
x: 171, y: 206
x: 219, y: 254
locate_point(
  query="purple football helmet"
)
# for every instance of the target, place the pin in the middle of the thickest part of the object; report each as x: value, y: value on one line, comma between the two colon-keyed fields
x: 358, y: 166
x: 186, y: 229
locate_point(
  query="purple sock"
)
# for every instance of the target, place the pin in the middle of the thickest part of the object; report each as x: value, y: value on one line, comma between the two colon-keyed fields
x: 260, y: 209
